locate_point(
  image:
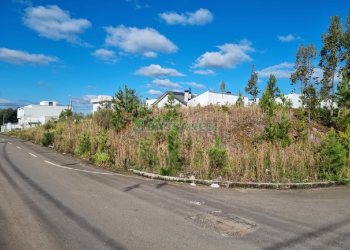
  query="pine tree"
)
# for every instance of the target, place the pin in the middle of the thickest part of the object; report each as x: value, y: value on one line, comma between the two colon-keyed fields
x: 272, y: 86
x: 252, y: 87
x: 333, y: 156
x: 240, y: 100
x: 126, y: 106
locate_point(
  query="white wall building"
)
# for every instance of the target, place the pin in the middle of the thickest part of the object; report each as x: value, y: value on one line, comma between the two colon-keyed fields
x: 33, y: 115
x: 101, y: 102
x: 294, y: 99
x: 213, y: 98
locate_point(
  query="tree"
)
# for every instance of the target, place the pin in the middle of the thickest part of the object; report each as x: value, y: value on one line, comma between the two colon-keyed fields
x: 8, y: 115
x: 65, y: 114
x: 268, y: 102
x: 126, y: 107
x: 171, y: 108
x: 240, y: 100
x: 304, y: 69
x: 272, y: 86
x: 223, y: 87
x: 330, y: 58
x: 252, y: 85
x: 333, y: 156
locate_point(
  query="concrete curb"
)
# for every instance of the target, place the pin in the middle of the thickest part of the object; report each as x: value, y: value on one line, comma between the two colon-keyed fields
x: 230, y: 184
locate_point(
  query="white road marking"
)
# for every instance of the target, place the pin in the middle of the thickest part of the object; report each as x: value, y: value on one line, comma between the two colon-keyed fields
x: 18, y: 147
x: 9, y: 142
x: 33, y: 155
x: 81, y: 170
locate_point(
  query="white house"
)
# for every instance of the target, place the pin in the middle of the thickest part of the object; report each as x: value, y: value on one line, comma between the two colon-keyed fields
x: 150, y: 102
x: 181, y: 98
x: 33, y: 115
x: 101, y: 102
x: 214, y: 98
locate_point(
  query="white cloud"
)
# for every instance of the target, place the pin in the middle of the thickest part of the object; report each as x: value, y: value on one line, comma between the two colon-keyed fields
x: 282, y: 70
x: 105, y: 55
x: 195, y: 85
x: 154, y: 92
x: 166, y: 83
x: 147, y: 41
x: 156, y: 70
x: 54, y: 23
x: 288, y: 38
x: 207, y: 72
x: 228, y: 56
x: 22, y: 57
x: 199, y: 17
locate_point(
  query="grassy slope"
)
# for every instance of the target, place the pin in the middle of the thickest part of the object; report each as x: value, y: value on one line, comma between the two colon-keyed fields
x: 237, y: 127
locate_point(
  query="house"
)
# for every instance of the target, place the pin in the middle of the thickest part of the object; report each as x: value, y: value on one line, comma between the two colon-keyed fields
x: 294, y: 99
x: 33, y: 115
x: 150, y: 102
x: 181, y: 98
x: 101, y: 102
x: 214, y: 98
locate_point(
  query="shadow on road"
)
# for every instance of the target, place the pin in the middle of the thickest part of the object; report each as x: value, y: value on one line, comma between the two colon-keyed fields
x: 159, y: 185
x: 300, y: 239
x: 79, y: 220
x: 127, y: 189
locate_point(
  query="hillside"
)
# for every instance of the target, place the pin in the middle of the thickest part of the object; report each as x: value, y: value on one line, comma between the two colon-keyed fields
x: 208, y: 142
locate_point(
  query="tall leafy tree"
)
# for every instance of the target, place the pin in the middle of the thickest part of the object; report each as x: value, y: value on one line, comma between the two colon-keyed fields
x: 304, y: 69
x: 252, y: 85
x: 330, y: 59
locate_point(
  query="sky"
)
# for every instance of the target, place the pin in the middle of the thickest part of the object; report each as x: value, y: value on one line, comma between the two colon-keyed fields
x: 67, y: 50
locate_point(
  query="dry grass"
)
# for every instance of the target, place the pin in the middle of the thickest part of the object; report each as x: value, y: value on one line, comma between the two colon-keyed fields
x: 237, y: 127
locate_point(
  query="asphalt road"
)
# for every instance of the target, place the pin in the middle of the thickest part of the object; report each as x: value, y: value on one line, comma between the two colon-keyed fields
x: 53, y: 201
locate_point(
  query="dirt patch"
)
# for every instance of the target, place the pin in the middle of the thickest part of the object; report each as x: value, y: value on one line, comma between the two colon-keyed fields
x: 228, y: 226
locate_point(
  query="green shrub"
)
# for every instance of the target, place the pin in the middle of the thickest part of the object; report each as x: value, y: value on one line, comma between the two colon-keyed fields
x: 47, y: 139
x: 217, y: 156
x: 103, y: 118
x: 85, y: 144
x: 102, y: 158
x: 173, y: 158
x: 147, y: 156
x: 333, y: 157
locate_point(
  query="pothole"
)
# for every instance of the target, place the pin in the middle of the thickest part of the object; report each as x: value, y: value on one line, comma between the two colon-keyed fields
x: 225, y: 225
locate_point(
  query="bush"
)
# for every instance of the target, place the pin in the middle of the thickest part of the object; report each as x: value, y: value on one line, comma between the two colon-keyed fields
x: 147, y: 156
x: 102, y: 158
x: 103, y: 118
x: 332, y: 157
x: 47, y: 139
x: 217, y: 156
x: 173, y: 158
x: 85, y: 144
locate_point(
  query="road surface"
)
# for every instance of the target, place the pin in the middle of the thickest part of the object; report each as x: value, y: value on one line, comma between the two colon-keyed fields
x: 53, y: 201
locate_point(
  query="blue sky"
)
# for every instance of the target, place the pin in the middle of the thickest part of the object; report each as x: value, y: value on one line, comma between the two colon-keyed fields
x: 58, y: 50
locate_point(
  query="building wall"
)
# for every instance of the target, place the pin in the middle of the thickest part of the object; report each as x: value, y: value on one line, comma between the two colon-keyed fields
x: 211, y: 98
x: 38, y: 114
x: 101, y: 105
